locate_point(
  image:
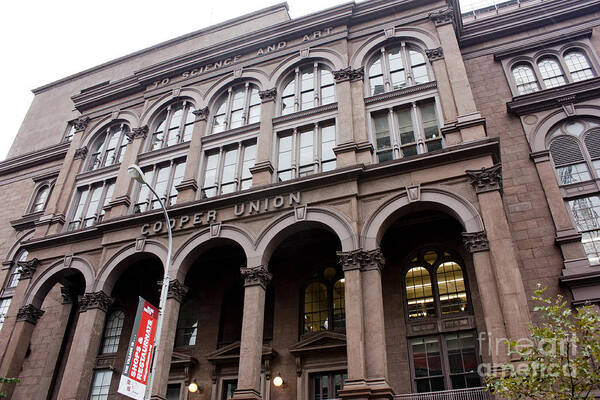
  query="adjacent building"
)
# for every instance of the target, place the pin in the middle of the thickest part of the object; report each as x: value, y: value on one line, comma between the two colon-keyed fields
x: 362, y: 202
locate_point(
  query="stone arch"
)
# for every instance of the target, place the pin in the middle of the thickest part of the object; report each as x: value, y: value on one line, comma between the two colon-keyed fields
x: 254, y: 76
x: 442, y: 199
x: 117, y: 263
x: 287, y: 224
x: 150, y: 113
x: 129, y: 117
x: 537, y: 137
x: 16, y: 247
x: 420, y: 36
x: 198, y: 242
x: 41, y: 285
x: 331, y: 58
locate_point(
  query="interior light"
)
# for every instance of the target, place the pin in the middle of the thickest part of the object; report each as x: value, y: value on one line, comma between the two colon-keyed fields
x: 278, y: 380
x: 193, y: 387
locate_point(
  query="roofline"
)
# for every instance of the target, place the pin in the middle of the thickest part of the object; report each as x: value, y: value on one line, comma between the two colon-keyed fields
x: 212, y: 28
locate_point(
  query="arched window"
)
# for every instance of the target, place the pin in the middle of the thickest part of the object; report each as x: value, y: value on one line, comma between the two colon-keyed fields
x: 324, y: 303
x: 397, y: 67
x: 525, y: 79
x: 15, y: 271
x: 238, y: 106
x: 578, y: 65
x: 112, y: 332
x: 40, y: 198
x: 109, y: 146
x: 435, y: 285
x: 173, y: 125
x: 307, y: 87
x: 552, y: 74
x: 568, y: 160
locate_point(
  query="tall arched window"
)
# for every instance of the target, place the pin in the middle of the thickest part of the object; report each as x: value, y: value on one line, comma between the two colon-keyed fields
x: 40, y: 198
x: 395, y: 67
x: 324, y: 303
x: 109, y: 146
x: 238, y: 106
x: 578, y: 65
x: 435, y: 285
x: 525, y: 79
x: 112, y: 332
x: 552, y: 74
x: 187, y: 325
x: 173, y: 125
x: 15, y: 271
x: 307, y: 87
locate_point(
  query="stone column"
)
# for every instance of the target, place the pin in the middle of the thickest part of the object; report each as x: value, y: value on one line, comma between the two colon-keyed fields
x: 355, y: 335
x: 478, y: 245
x: 487, y: 183
x: 345, y: 149
x: 436, y: 59
x: 186, y: 190
x: 567, y: 236
x: 162, y: 357
x: 27, y: 317
x: 78, y: 373
x: 54, y: 216
x: 255, y: 282
x: 457, y: 74
x: 28, y: 269
x: 121, y: 200
x: 262, y: 172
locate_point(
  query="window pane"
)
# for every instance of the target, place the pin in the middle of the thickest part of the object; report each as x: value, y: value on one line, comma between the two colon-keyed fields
x: 4, y: 305
x: 586, y: 217
x: 238, y: 99
x: 162, y: 180
x: 451, y: 288
x: 551, y: 73
x: 40, y: 199
x: 327, y: 145
x: 101, y: 384
x: 285, y: 152
x: 112, y: 332
x: 92, y: 211
x: 306, y: 148
x: 326, y: 77
x: 229, y: 166
x: 339, y: 307
x: 173, y: 391
x: 405, y: 128
x: 236, y: 119
x: 395, y: 59
x: 316, y: 309
x: 525, y: 79
x: 249, y: 158
x: 578, y: 66
x: 187, y: 324
x: 419, y: 293
x: 177, y: 178
x: 307, y: 79
x: 573, y: 174
x: 382, y: 134
x: 308, y: 99
x: 327, y: 95
x: 142, y: 202
x: 427, y: 364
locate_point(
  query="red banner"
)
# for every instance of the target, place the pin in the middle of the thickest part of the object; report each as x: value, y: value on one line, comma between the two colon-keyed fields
x: 139, y: 353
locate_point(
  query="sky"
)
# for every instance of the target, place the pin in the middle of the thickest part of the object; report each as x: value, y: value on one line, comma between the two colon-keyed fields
x: 43, y: 41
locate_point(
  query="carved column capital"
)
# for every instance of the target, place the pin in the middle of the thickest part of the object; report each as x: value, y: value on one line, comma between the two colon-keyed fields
x: 93, y: 300
x: 348, y: 74
x: 80, y: 123
x: 486, y: 179
x: 27, y: 268
x: 372, y: 259
x: 476, y: 241
x: 256, y: 276
x: 201, y: 114
x: 435, y: 54
x: 80, y: 153
x: 29, y: 313
x: 268, y: 95
x: 442, y: 17
x: 349, y: 260
x: 135, y: 133
x: 177, y: 290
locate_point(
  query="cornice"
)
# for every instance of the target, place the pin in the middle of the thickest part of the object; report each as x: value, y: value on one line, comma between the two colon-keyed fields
x: 35, y: 158
x: 400, y: 92
x: 305, y: 113
x: 232, y: 132
x: 523, y: 19
x: 103, y: 93
x: 26, y: 222
x: 450, y: 155
x: 553, y: 98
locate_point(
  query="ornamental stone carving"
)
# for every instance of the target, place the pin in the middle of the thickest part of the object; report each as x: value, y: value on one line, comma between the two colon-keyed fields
x: 201, y: 114
x: 80, y: 153
x: 98, y: 300
x: 176, y: 291
x: 486, y: 179
x: 135, y: 133
x: 256, y: 276
x: 365, y: 260
x: 27, y: 268
x: 442, y: 17
x: 81, y: 123
x: 348, y: 73
x: 29, y: 313
x: 475, y: 242
x: 435, y: 54
x: 268, y: 95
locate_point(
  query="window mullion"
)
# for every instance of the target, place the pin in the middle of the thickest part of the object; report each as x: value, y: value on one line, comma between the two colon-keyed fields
x: 316, y: 150
x: 119, y: 143
x: 417, y: 124
x: 297, y: 91
x: 86, y: 205
x: 102, y: 154
x: 169, y: 182
x: 245, y: 111
x: 184, y: 112
x: 385, y: 70
x: 445, y: 361
x: 238, y: 168
x: 410, y: 81
x: 538, y: 75
x: 295, y: 152
x: 393, y: 131
x: 565, y: 69
x: 316, y: 86
x: 219, y: 173
x: 228, y: 109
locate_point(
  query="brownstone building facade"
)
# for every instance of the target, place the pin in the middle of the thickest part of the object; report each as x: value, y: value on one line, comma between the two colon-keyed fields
x: 362, y: 202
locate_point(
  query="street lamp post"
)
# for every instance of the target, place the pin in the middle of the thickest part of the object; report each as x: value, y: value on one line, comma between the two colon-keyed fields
x: 136, y: 173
